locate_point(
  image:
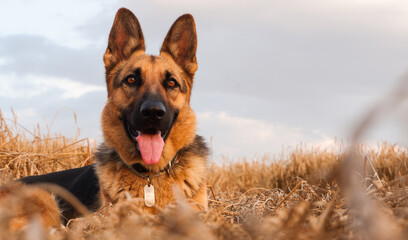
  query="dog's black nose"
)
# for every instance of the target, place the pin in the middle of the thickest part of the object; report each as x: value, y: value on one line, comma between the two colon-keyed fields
x: 152, y: 110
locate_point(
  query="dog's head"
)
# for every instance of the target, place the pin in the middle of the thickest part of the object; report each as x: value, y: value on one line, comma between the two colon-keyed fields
x: 147, y: 117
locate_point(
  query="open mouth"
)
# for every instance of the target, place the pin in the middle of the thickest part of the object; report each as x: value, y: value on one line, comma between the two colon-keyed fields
x: 149, y: 142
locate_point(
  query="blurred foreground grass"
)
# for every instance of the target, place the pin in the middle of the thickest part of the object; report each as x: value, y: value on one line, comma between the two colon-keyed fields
x: 297, y: 197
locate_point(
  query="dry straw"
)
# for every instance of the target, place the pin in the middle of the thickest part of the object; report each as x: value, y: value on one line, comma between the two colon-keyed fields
x: 311, y: 193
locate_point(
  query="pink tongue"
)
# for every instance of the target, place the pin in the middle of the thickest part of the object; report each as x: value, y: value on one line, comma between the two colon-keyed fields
x: 151, y: 147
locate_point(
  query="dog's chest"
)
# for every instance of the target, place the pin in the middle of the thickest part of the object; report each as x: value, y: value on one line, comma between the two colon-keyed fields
x: 119, y: 183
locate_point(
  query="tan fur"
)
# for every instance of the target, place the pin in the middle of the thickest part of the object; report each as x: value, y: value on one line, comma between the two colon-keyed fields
x: 177, y: 56
x: 118, y: 179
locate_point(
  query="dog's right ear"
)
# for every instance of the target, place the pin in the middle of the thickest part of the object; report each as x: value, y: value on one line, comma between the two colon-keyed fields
x: 125, y: 38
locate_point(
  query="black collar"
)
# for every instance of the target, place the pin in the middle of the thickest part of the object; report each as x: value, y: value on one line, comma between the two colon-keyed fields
x: 140, y: 168
x: 145, y: 173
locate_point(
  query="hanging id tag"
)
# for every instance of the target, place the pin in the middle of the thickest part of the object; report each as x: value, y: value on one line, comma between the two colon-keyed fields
x: 149, y: 195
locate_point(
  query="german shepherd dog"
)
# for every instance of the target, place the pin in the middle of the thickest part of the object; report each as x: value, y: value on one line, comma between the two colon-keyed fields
x: 150, y: 141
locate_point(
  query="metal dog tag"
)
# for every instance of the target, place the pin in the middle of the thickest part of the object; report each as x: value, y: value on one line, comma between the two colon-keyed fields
x: 149, y: 195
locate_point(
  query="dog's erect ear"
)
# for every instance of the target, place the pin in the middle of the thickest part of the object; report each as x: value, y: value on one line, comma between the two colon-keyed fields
x: 125, y: 38
x: 181, y: 43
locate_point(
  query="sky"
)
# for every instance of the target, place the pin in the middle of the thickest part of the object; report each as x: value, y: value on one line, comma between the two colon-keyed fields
x: 273, y: 75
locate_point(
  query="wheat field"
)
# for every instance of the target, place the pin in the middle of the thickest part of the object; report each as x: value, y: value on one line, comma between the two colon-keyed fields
x: 310, y: 193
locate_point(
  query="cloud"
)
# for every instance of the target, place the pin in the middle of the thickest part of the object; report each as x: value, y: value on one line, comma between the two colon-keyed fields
x: 27, y: 86
x: 43, y: 108
x: 29, y: 112
x: 3, y: 61
x: 283, y: 68
x: 236, y: 137
x: 71, y: 89
x: 300, y: 16
x: 54, y: 20
x: 36, y: 55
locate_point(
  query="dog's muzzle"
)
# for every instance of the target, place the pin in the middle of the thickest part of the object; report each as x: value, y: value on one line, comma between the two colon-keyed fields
x: 149, y: 127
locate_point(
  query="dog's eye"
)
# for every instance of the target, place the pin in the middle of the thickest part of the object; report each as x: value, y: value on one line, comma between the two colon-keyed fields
x: 171, y: 83
x: 132, y: 81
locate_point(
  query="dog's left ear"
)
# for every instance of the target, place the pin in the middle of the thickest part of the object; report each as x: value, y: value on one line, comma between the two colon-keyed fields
x: 181, y: 44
